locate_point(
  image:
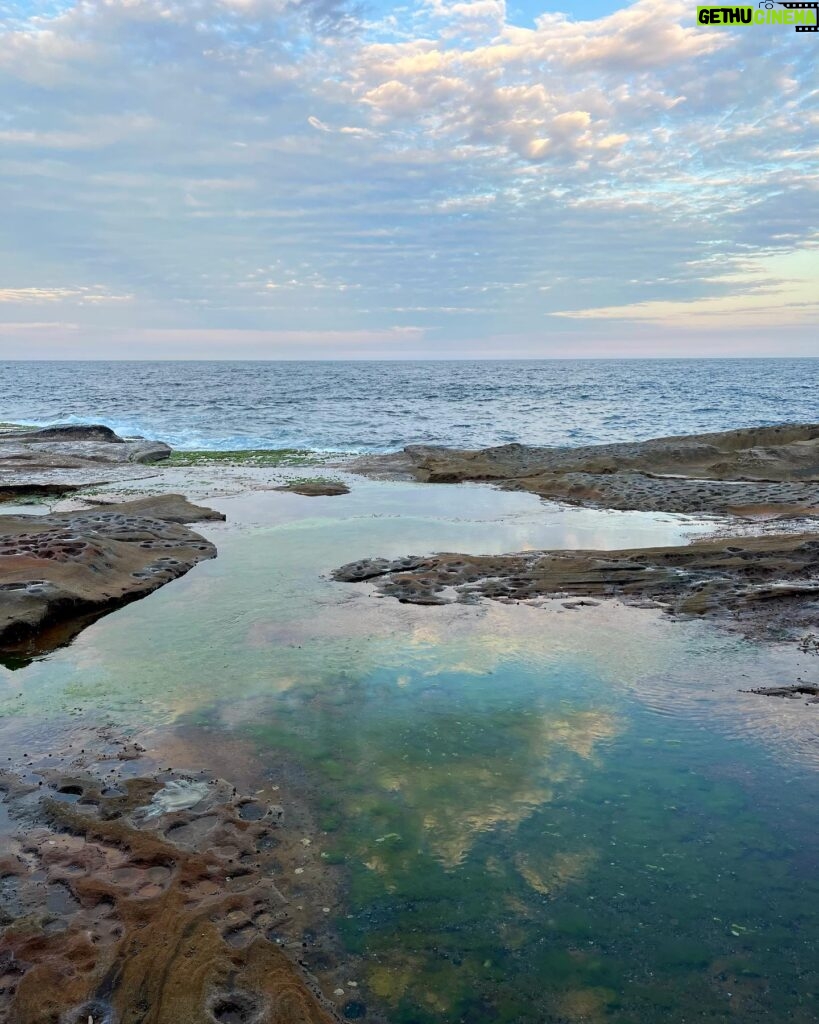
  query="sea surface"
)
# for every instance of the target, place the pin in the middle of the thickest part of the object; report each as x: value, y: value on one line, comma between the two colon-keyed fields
x: 381, y: 406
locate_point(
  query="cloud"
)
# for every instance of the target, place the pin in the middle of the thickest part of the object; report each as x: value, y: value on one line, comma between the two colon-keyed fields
x: 274, y: 166
x: 80, y: 296
x: 778, y: 291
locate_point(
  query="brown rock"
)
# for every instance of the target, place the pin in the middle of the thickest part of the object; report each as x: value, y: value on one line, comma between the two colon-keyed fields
x: 315, y: 488
x: 750, y: 578
x: 754, y: 467
x: 58, y: 572
x: 134, y: 913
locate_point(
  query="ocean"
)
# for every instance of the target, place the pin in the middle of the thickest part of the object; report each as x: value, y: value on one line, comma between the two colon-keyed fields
x: 383, y: 405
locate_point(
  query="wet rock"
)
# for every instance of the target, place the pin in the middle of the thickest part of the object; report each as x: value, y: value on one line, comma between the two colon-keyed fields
x: 59, y: 571
x: 766, y: 585
x: 757, y: 582
x: 67, y: 432
x: 236, y: 1007
x: 176, y: 795
x: 759, y: 472
x: 315, y: 488
x: 97, y: 1011
x: 118, y: 922
x: 63, y: 458
x: 170, y: 508
x: 793, y: 692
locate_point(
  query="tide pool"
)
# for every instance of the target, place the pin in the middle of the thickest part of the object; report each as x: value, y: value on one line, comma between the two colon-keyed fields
x: 535, y: 813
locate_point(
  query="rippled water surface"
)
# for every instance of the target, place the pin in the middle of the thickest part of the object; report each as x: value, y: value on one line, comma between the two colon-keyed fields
x: 379, y: 406
x: 539, y: 814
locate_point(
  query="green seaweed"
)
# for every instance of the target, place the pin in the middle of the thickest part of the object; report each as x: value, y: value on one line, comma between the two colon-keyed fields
x: 262, y: 457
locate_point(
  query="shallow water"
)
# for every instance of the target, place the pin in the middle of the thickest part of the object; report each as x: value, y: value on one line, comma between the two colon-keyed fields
x: 541, y: 814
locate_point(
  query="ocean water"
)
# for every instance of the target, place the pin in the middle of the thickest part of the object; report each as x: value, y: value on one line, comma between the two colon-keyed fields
x: 380, y: 406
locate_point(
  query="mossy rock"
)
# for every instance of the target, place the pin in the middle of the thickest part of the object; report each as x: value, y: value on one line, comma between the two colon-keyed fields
x: 263, y: 457
x: 315, y: 488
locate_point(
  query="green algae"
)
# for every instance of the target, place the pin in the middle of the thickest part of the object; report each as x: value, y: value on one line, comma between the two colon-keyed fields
x: 296, y: 480
x: 262, y: 457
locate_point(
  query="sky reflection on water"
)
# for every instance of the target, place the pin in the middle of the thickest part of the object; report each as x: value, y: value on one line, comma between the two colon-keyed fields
x: 542, y: 814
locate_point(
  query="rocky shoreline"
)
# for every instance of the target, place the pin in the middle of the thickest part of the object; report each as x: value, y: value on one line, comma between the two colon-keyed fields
x: 62, y: 459
x: 758, y: 472
x: 765, y: 479
x: 59, y: 572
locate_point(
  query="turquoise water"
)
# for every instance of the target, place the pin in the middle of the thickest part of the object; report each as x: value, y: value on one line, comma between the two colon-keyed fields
x: 535, y: 814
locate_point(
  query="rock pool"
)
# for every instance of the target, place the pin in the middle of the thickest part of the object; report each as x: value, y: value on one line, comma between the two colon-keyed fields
x: 531, y: 813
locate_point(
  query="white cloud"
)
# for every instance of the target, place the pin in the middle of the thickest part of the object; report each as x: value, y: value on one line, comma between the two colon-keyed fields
x: 572, y: 167
x: 774, y: 290
x: 81, y: 296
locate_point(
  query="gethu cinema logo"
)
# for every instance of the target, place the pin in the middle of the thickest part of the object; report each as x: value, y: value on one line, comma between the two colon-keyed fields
x: 803, y: 16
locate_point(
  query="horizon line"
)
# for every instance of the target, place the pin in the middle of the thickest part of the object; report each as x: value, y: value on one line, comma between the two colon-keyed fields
x: 431, y: 359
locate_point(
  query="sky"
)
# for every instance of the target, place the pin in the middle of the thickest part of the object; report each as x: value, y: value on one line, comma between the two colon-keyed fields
x: 442, y: 178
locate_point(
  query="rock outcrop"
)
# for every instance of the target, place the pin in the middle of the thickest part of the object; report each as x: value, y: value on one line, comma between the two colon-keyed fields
x: 768, y: 583
x: 315, y: 488
x: 758, y: 471
x: 60, y: 459
x: 60, y: 571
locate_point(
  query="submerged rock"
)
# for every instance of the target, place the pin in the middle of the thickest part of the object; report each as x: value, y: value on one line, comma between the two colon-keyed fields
x: 176, y: 795
x: 60, y: 571
x: 793, y: 692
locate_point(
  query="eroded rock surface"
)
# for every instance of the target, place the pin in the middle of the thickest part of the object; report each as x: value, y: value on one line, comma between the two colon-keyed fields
x: 116, y: 906
x: 797, y: 691
x: 758, y: 471
x: 767, y: 473
x: 316, y: 488
x: 770, y: 582
x: 59, y: 571
x: 64, y: 458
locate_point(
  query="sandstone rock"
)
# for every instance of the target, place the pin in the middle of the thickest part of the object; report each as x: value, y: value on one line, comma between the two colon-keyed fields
x: 173, y: 918
x: 170, y: 508
x: 315, y: 488
x: 67, y: 432
x: 768, y: 583
x: 752, y: 468
x: 60, y: 571
x: 64, y: 458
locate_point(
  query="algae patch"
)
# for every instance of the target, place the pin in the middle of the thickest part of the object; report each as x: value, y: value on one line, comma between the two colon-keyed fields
x: 261, y: 457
